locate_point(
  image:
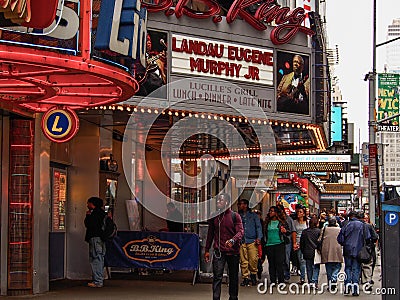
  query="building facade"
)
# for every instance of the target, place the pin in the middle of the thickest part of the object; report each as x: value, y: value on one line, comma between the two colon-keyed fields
x: 168, y: 102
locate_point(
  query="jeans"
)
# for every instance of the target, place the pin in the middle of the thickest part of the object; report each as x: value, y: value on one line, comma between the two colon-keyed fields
x: 302, y: 264
x: 286, y: 263
x: 97, y: 251
x: 219, y: 262
x: 353, y: 269
x: 276, y: 257
x: 312, y: 271
x: 332, y: 270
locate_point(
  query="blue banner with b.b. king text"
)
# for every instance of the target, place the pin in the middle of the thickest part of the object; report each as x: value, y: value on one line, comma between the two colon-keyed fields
x: 156, y: 250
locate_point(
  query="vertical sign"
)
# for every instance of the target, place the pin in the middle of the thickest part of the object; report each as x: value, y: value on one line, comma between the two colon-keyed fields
x: 59, y: 197
x: 373, y: 168
x: 388, y: 101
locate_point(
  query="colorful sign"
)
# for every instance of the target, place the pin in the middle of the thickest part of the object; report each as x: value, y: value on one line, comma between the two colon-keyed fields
x: 388, y: 101
x: 289, y: 201
x: 212, y: 58
x: 293, y: 83
x: 60, y: 125
x: 288, y: 22
x: 141, y: 249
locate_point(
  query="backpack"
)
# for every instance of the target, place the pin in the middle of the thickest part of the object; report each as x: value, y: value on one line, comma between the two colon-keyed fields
x: 109, y: 229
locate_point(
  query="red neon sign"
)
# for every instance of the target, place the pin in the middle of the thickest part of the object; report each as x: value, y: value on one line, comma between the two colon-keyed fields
x: 43, y: 13
x: 289, y: 23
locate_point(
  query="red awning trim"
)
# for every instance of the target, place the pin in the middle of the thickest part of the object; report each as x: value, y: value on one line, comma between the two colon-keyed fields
x: 37, y: 79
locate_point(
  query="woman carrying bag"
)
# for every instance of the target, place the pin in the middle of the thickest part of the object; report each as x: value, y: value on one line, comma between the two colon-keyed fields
x: 331, y: 251
x: 276, y: 235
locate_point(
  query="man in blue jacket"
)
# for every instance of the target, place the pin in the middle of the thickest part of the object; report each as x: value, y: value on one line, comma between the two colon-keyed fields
x: 250, y: 241
x: 351, y: 237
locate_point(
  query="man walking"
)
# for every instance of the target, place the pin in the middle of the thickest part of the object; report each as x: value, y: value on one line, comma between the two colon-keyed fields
x: 226, y: 231
x: 351, y: 237
x: 97, y: 249
x: 249, y: 244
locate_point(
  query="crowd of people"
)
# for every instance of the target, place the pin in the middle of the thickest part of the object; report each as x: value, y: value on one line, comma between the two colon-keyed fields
x: 294, y: 245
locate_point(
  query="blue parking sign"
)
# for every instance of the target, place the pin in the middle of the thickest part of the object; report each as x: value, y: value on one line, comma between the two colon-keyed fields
x: 391, y: 218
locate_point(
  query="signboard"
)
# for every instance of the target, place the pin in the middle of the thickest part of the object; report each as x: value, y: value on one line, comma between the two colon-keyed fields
x: 336, y: 124
x: 305, y: 158
x: 59, y: 197
x: 365, y: 154
x: 388, y: 101
x: 293, y: 83
x: 60, y: 125
x: 288, y: 22
x: 373, y: 168
x: 206, y: 57
x: 52, y: 23
x: 289, y: 201
x: 270, y: 183
x: 158, y: 250
x: 334, y: 197
x: 206, y: 94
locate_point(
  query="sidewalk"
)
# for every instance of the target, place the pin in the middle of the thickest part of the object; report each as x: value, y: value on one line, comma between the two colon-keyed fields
x: 160, y: 287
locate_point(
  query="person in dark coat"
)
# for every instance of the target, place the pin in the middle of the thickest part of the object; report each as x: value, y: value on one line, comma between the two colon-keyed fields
x: 225, y: 231
x: 308, y: 244
x: 368, y: 268
x: 174, y: 218
x: 351, y: 237
x: 97, y: 249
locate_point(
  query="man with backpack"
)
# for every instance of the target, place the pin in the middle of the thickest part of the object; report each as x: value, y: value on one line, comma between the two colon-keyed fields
x: 226, y: 231
x: 94, y: 223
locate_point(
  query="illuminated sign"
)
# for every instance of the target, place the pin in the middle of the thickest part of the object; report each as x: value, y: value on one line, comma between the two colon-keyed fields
x: 122, y: 28
x: 60, y: 125
x: 388, y: 101
x: 206, y: 57
x: 289, y: 22
x: 305, y: 158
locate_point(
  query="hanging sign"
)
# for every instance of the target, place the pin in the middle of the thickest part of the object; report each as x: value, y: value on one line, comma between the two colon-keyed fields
x: 60, y: 125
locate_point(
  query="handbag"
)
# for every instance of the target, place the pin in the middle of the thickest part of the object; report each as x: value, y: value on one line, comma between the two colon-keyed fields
x: 317, y: 257
x: 364, y: 255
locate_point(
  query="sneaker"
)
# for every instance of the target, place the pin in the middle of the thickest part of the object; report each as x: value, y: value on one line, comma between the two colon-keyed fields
x: 302, y: 281
x: 94, y: 285
x: 245, y: 282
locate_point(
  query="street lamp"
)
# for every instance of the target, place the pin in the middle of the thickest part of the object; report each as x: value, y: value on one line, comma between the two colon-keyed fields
x: 371, y: 122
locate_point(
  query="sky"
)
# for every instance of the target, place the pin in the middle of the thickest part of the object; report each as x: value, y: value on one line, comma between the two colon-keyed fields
x: 349, y: 25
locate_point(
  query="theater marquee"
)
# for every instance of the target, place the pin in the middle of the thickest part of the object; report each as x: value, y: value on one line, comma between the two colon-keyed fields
x: 204, y: 57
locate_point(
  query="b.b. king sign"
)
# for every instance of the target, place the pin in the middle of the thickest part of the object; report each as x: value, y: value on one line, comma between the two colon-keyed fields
x: 204, y: 57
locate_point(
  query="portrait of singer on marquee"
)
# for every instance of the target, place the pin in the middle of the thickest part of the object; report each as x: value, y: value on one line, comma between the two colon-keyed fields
x: 293, y: 83
x: 154, y: 75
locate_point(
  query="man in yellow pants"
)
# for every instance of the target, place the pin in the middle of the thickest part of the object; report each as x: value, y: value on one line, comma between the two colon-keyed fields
x: 249, y: 246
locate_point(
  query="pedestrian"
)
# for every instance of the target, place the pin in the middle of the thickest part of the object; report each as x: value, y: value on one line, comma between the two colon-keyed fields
x: 261, y: 248
x: 300, y: 224
x: 352, y: 237
x: 276, y: 236
x: 249, y: 244
x: 288, y: 246
x: 331, y: 252
x: 174, y: 218
x: 368, y: 268
x: 226, y: 231
x: 94, y: 221
x: 322, y: 220
x: 308, y: 245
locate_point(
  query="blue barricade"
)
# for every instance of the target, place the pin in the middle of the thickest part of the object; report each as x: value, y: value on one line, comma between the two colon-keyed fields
x: 156, y: 250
